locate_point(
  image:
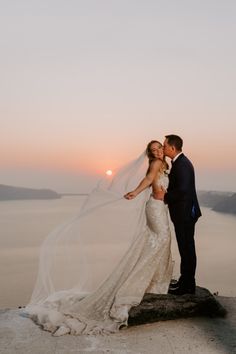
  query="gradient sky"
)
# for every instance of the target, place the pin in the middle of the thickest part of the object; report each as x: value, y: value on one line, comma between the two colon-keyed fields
x: 86, y: 84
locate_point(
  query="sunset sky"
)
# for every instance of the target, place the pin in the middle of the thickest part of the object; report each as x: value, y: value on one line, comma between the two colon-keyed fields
x: 85, y: 85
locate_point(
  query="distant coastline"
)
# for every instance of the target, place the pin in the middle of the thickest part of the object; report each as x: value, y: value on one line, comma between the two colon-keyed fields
x: 8, y: 193
x: 22, y: 193
x: 224, y: 202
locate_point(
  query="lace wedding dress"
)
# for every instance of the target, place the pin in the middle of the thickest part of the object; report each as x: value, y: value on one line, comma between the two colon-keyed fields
x: 146, y: 267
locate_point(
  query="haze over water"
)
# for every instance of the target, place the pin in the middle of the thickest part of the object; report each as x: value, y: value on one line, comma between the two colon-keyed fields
x: 25, y: 224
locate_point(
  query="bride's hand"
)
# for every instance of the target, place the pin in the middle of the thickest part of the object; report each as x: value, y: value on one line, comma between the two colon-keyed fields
x: 130, y: 195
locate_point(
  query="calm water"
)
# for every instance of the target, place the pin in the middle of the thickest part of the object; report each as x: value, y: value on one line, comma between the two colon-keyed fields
x: 25, y: 224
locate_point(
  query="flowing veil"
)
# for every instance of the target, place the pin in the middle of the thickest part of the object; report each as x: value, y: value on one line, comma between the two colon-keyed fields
x: 80, y: 254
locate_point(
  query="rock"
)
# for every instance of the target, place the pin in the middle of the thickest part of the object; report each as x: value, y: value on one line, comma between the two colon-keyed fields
x: 155, y: 308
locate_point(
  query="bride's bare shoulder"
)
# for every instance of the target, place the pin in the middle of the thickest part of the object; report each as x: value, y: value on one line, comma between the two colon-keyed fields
x: 156, y: 164
x: 156, y: 161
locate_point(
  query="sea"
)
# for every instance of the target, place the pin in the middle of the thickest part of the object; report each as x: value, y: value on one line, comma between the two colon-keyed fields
x: 26, y: 223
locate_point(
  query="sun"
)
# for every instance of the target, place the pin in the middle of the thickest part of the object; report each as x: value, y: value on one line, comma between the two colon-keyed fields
x: 109, y: 172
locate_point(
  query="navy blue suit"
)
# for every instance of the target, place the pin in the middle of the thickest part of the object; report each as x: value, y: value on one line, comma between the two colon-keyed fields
x: 184, y: 211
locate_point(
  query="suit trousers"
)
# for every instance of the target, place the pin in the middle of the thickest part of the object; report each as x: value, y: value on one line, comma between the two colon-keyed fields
x: 185, y: 239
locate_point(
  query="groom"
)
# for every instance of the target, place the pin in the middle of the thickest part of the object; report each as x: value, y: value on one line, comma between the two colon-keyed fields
x: 184, y: 211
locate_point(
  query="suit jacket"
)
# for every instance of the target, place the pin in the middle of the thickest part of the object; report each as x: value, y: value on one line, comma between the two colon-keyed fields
x: 181, y: 195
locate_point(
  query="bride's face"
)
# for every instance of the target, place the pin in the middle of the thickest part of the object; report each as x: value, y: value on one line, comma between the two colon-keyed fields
x: 157, y: 150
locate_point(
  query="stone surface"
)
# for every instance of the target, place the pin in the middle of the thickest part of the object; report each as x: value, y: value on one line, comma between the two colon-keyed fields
x: 155, y: 308
x: 195, y: 335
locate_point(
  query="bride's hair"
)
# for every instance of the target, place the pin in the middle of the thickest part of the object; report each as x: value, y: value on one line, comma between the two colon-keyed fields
x: 151, y: 157
x: 149, y: 153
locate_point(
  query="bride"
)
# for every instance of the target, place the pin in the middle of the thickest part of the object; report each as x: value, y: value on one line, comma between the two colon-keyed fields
x: 94, y: 268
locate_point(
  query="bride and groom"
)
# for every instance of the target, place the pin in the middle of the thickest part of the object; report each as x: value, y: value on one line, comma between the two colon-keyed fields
x: 146, y: 267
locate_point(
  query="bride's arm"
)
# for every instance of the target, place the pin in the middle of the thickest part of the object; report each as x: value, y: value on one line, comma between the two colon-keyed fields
x: 146, y: 181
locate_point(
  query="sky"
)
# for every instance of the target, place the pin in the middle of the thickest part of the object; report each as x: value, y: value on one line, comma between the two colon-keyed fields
x: 85, y: 85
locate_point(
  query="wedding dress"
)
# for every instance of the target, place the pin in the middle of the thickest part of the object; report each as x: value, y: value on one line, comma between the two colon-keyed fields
x: 145, y: 267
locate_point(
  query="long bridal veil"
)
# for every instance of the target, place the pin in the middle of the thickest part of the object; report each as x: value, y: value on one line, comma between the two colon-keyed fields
x: 80, y: 254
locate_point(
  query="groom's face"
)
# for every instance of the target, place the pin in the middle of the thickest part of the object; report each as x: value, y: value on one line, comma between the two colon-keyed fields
x: 168, y: 149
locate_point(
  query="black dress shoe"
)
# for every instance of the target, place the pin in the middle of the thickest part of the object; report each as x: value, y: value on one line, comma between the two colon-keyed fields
x: 182, y: 290
x: 174, y: 284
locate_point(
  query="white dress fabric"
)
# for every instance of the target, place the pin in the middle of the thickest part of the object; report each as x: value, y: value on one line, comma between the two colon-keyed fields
x: 146, y: 267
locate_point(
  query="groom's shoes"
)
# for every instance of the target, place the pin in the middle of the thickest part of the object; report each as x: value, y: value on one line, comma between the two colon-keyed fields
x: 182, y: 286
x: 174, y: 284
x: 181, y: 290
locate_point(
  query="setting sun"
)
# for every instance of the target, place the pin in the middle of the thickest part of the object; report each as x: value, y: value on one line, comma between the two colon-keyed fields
x: 109, y: 172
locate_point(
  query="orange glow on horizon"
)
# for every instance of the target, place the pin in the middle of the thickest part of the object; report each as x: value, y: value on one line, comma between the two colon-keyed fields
x: 68, y: 160
x: 75, y: 160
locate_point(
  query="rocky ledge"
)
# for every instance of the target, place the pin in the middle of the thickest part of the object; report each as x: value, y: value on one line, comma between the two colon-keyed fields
x: 155, y: 308
x: 20, y: 335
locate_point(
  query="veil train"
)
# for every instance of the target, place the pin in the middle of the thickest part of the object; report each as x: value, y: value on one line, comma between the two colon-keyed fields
x: 80, y: 254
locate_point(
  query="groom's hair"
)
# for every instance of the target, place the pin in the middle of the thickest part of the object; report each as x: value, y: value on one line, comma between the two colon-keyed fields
x: 175, y: 140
